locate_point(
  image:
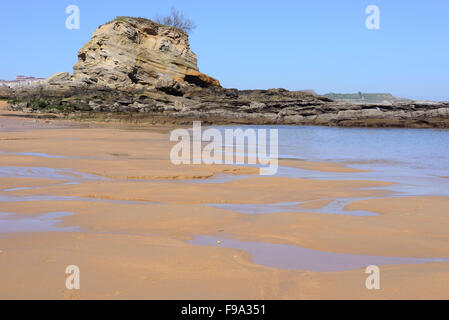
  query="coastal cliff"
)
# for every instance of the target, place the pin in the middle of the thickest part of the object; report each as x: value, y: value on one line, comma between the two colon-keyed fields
x: 138, y: 53
x: 135, y: 66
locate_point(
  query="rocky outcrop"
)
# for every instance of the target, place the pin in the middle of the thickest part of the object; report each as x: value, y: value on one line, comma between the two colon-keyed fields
x: 59, y: 77
x: 135, y: 51
x: 138, y: 68
x: 366, y: 98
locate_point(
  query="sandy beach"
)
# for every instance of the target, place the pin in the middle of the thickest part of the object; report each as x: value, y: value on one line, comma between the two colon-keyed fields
x: 128, y: 217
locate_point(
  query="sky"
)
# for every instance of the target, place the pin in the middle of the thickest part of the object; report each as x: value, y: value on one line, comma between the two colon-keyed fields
x: 322, y: 45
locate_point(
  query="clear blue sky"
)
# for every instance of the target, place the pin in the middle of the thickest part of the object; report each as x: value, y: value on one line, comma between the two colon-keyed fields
x: 321, y: 44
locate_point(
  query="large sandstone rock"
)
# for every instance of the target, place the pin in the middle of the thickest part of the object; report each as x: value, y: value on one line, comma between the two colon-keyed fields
x: 130, y: 51
x: 136, y: 67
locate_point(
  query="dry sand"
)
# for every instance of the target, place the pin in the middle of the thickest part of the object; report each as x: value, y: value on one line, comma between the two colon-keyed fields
x: 139, y: 249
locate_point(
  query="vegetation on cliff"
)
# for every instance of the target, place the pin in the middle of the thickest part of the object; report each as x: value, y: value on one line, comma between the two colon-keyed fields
x: 177, y: 20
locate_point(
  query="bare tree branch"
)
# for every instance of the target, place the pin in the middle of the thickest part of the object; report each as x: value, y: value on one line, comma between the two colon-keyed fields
x: 177, y: 19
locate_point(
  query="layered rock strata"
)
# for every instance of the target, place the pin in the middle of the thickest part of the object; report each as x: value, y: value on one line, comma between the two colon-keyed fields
x: 135, y: 66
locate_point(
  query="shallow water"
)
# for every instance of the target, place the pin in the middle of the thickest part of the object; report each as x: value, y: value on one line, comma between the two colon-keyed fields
x: 34, y: 154
x: 41, y: 187
x: 290, y: 257
x: 45, y: 223
x: 46, y: 173
x: 336, y: 206
x: 421, y: 150
x: 414, y: 159
x: 10, y: 198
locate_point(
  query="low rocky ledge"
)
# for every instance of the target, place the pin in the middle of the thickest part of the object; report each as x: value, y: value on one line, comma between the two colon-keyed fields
x: 140, y: 69
x: 218, y: 105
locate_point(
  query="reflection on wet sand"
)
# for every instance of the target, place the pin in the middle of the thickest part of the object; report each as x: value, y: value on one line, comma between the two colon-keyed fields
x: 132, y: 214
x: 11, y: 223
x: 294, y: 257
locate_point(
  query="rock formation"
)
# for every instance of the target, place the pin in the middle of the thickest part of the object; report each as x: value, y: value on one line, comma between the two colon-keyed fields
x: 133, y: 65
x: 135, y: 51
x: 366, y: 98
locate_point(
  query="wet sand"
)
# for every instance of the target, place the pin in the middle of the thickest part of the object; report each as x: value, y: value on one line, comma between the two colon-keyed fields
x: 136, y: 214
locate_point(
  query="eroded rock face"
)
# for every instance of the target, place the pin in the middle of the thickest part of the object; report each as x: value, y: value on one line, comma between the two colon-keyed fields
x: 135, y: 51
x: 135, y: 67
x: 59, y: 77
